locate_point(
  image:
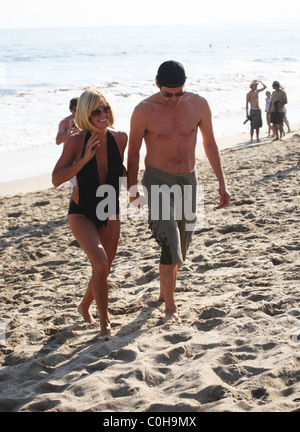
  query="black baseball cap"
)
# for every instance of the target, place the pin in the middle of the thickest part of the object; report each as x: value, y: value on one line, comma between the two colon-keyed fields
x: 171, y: 74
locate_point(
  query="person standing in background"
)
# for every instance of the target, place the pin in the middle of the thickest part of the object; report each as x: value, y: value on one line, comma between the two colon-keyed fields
x: 286, y: 122
x: 66, y: 128
x: 277, y: 109
x: 255, y: 111
x: 268, y: 115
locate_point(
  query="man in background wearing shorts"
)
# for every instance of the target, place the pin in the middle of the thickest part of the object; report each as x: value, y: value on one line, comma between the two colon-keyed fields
x: 255, y: 112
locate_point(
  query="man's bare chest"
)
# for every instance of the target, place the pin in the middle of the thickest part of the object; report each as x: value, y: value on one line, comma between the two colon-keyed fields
x: 168, y: 127
x: 253, y: 97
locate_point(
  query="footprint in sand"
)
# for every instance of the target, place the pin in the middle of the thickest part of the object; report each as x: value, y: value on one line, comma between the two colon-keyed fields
x: 125, y: 355
x: 40, y: 203
x: 150, y: 376
x: 209, y: 394
x: 172, y: 356
x: 15, y: 215
x: 178, y: 337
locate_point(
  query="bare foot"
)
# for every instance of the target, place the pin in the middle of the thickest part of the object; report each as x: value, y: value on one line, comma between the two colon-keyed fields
x: 86, y: 314
x: 173, y: 316
x: 105, y: 332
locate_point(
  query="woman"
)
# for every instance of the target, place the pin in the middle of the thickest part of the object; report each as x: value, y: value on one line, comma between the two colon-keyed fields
x: 268, y: 114
x: 95, y: 157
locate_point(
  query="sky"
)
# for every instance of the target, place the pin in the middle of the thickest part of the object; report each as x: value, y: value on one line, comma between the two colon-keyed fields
x: 74, y: 13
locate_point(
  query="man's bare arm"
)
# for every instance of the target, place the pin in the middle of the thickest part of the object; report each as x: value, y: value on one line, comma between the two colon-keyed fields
x: 212, y: 152
x: 137, y: 132
x: 62, y: 134
x: 263, y: 88
x: 247, y: 103
x: 65, y: 129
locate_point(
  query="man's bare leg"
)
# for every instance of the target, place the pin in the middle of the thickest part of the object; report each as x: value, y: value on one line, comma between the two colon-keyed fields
x: 168, y: 277
x: 276, y: 129
x: 257, y: 135
x: 281, y: 130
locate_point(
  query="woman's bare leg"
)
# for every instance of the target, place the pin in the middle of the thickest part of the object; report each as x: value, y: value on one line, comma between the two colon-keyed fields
x: 84, y: 307
x: 88, y: 237
x: 109, y: 237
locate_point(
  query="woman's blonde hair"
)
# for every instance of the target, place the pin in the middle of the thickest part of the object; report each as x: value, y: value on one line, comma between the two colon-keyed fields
x: 88, y: 102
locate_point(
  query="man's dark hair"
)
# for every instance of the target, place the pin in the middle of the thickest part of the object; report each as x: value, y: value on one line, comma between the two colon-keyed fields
x: 73, y: 103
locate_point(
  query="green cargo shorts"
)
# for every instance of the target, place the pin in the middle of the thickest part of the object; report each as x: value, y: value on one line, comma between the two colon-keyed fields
x: 172, y: 211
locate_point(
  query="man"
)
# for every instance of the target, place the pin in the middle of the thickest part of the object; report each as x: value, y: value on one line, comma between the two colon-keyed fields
x: 168, y: 121
x: 255, y: 112
x: 277, y: 109
x: 66, y: 128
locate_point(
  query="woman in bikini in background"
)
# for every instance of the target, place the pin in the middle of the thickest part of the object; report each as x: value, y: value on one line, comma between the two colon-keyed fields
x: 95, y: 157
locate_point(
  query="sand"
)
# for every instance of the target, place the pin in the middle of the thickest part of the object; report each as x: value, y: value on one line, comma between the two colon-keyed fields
x: 237, y: 348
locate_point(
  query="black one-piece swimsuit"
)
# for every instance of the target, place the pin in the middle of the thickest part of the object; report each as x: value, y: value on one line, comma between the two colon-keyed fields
x: 88, y: 182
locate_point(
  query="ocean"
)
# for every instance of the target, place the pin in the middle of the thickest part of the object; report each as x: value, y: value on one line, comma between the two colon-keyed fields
x: 42, y: 69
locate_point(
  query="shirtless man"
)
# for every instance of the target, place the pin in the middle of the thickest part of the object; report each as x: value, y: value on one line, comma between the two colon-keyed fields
x: 168, y: 121
x: 66, y: 128
x: 255, y: 112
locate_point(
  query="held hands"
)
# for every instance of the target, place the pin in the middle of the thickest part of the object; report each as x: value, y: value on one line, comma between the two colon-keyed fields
x: 138, y: 201
x: 224, y: 197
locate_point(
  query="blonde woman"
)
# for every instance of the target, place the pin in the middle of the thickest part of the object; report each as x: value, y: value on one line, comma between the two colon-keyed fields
x: 95, y: 157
